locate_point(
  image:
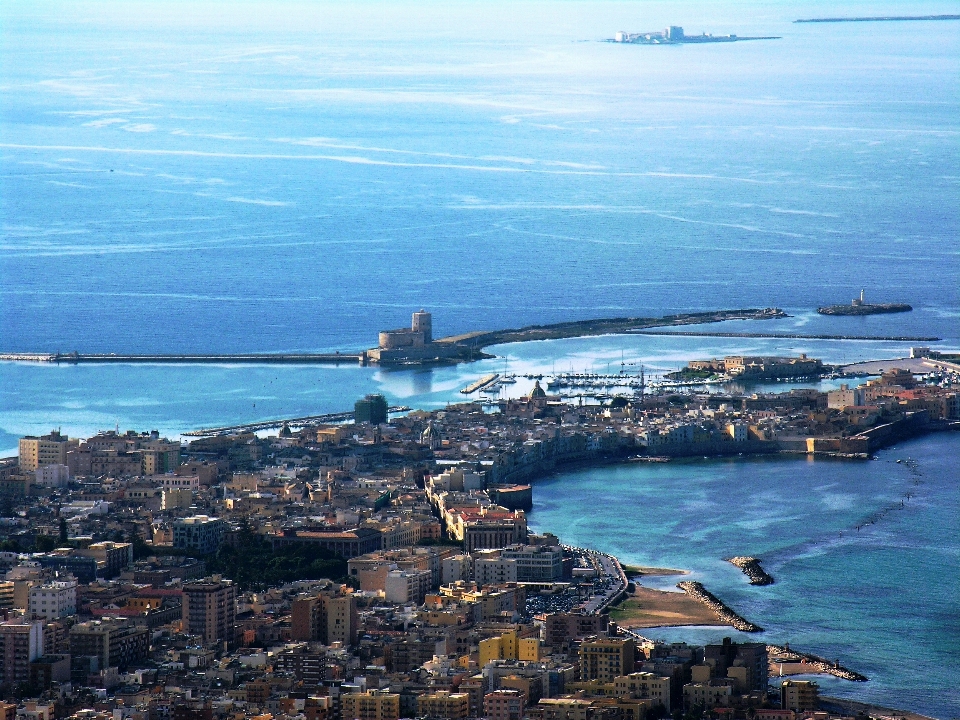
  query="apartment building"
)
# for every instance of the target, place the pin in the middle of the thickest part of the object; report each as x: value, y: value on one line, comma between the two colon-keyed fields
x: 372, y: 705
x: 53, y: 600
x: 49, y: 449
x: 210, y: 609
x: 606, y: 658
x: 114, y: 643
x: 21, y: 642
x: 198, y: 532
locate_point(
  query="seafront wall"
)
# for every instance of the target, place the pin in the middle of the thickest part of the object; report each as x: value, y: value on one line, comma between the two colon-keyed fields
x: 543, y: 457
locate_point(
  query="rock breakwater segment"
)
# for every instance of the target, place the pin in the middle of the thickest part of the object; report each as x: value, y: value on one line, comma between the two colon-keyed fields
x: 698, y: 592
x: 784, y: 653
x: 752, y: 569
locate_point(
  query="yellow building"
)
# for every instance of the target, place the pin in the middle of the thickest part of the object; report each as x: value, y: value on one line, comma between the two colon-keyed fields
x: 799, y: 695
x: 606, y: 659
x: 508, y: 647
x: 371, y: 705
x: 561, y: 709
x: 47, y: 450
x: 444, y: 704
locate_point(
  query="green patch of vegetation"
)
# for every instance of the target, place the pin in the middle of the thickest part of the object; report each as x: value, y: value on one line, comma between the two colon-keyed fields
x: 254, y: 565
x: 444, y: 542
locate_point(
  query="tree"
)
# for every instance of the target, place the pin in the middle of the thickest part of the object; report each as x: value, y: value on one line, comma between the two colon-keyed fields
x: 64, y: 536
x: 44, y: 543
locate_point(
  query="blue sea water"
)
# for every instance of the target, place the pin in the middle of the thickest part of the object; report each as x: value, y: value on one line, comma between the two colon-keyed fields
x: 276, y: 176
x: 252, y: 176
x: 884, y: 599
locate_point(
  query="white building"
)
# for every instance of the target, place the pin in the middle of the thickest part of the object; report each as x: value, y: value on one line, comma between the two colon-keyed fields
x: 846, y: 396
x: 456, y: 479
x: 53, y: 475
x: 455, y: 568
x: 738, y: 431
x: 53, y: 600
x: 406, y: 586
x: 535, y: 563
x: 179, y: 482
x: 494, y: 570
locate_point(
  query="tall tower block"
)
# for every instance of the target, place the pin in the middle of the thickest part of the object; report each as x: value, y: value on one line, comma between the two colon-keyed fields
x: 423, y: 322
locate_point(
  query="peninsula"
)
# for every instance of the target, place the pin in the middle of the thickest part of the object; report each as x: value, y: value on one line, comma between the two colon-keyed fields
x: 882, y: 18
x: 415, y: 345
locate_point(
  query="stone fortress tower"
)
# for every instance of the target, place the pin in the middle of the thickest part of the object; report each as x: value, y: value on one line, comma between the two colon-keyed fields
x: 423, y: 323
x: 413, y: 345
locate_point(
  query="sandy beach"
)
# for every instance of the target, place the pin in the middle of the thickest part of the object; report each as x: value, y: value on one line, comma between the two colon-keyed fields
x: 646, y: 608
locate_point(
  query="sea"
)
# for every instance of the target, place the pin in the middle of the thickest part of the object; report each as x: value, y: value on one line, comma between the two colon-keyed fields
x: 295, y: 176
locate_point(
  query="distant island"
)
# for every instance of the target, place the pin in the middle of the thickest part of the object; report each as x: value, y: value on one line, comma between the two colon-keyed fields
x: 860, y: 307
x: 889, y: 18
x: 674, y: 35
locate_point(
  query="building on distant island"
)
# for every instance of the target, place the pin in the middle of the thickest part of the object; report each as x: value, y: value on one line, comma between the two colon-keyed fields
x: 859, y: 306
x: 413, y: 345
x: 674, y: 35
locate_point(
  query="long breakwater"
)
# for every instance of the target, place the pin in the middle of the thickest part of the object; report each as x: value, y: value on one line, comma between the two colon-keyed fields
x: 186, y: 359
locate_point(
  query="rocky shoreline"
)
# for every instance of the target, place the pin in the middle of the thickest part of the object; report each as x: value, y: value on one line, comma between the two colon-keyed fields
x: 817, y: 663
x: 752, y: 569
x: 865, y: 309
x: 698, y: 592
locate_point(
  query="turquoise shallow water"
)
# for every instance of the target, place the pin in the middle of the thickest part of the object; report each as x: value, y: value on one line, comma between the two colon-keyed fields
x: 885, y: 600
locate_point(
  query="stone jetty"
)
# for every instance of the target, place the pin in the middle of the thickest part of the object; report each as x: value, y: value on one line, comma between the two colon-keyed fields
x: 752, y: 569
x: 784, y: 653
x: 698, y: 592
